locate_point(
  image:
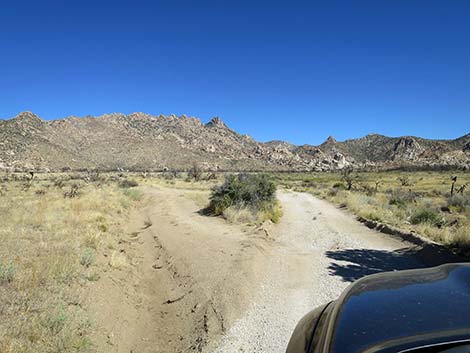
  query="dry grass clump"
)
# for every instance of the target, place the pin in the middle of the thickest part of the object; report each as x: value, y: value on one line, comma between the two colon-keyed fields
x: 236, y: 214
x: 51, y: 248
x: 411, y: 201
x: 118, y: 260
x: 459, y: 203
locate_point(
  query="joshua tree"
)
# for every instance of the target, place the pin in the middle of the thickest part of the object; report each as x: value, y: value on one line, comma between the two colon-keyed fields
x: 347, y: 176
x: 404, y: 180
x: 461, y: 189
x: 454, y: 180
x: 377, y: 183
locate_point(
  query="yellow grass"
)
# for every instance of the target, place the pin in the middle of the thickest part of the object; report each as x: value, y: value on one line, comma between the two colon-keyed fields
x: 51, y: 247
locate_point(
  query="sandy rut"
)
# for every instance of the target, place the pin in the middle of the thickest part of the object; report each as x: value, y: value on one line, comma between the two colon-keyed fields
x: 199, y: 284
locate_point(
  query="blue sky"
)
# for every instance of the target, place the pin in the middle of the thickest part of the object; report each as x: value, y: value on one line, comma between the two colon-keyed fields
x: 291, y: 70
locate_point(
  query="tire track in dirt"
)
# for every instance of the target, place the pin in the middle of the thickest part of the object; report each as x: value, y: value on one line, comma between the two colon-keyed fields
x: 190, y: 277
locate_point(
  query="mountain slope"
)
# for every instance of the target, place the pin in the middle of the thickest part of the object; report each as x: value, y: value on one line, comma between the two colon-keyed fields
x: 145, y: 142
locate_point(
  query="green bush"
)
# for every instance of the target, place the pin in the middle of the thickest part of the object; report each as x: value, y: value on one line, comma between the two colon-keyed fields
x: 256, y: 192
x: 427, y: 216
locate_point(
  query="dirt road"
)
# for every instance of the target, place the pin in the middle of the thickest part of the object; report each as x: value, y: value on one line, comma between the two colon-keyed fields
x: 198, y: 284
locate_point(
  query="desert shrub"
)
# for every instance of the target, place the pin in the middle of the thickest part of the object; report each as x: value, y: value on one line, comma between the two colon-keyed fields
x: 170, y: 175
x: 404, y: 180
x: 7, y: 273
x: 55, y: 321
x: 308, y: 183
x: 459, y: 202
x: 339, y: 186
x: 73, y: 192
x: 401, y: 198
x: 211, y: 176
x: 195, y: 172
x: 128, y: 183
x: 332, y: 192
x: 133, y: 194
x: 397, y: 202
x: 88, y: 257
x: 427, y: 216
x: 92, y: 176
x: 256, y: 192
x: 368, y: 190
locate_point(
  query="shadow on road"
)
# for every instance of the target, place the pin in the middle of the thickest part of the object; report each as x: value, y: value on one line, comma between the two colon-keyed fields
x: 363, y: 262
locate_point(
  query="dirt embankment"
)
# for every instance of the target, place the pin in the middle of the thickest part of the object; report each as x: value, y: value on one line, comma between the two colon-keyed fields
x: 199, y: 284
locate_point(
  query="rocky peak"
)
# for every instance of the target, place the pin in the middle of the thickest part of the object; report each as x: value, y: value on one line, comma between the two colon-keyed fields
x: 28, y: 121
x: 27, y: 117
x: 216, y: 122
x: 330, y: 139
x: 407, y: 148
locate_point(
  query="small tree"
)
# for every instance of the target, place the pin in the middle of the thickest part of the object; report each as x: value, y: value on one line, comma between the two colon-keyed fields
x: 195, y: 172
x: 348, y: 177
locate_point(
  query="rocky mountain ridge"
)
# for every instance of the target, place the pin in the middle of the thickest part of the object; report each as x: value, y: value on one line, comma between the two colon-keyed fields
x: 140, y: 141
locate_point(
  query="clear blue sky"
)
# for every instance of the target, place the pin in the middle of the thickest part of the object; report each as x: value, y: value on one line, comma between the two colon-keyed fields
x: 291, y: 70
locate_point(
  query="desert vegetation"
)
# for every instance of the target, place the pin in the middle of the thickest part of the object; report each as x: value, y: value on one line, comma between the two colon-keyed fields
x: 59, y: 234
x: 432, y: 204
x: 62, y: 233
x: 246, y: 198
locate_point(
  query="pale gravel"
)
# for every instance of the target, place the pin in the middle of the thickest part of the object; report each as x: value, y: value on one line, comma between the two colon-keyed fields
x: 299, y: 278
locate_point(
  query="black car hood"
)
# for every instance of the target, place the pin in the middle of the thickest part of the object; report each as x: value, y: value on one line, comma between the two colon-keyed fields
x: 398, y: 305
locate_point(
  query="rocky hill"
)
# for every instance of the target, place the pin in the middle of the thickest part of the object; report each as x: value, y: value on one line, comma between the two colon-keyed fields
x: 144, y: 142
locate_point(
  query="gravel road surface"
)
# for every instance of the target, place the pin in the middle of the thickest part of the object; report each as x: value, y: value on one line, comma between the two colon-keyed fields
x: 318, y: 251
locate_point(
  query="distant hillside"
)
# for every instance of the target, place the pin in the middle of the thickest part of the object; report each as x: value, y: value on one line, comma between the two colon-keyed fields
x: 145, y: 142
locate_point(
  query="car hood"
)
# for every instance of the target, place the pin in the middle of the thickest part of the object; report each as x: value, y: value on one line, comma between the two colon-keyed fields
x: 395, y: 306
